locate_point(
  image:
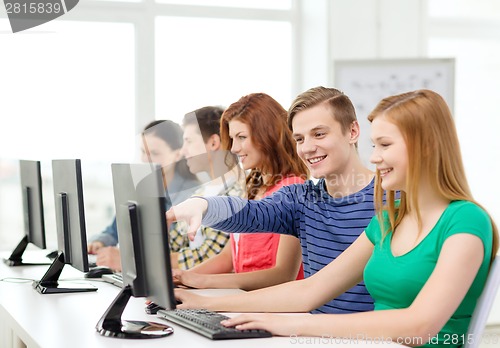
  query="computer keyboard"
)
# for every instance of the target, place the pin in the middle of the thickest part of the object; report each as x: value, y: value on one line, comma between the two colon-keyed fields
x: 207, y: 323
x: 115, y: 279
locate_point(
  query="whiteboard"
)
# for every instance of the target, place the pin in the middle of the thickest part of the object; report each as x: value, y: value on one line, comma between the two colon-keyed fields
x: 366, y: 82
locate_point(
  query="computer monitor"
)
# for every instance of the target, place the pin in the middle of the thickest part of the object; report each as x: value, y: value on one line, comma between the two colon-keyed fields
x: 71, y: 232
x: 34, y: 223
x: 144, y: 249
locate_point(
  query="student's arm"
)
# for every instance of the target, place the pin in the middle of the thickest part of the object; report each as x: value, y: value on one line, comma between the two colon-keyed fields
x: 275, y: 213
x: 191, y: 211
x: 295, y: 296
x: 109, y: 257
x: 94, y: 247
x: 288, y: 261
x: 457, y: 266
x: 108, y: 237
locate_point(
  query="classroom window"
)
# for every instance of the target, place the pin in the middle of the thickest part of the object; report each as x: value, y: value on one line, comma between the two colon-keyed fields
x: 204, y: 61
x: 268, y: 4
x: 478, y: 9
x: 78, y: 88
x: 118, y: 1
x: 68, y: 91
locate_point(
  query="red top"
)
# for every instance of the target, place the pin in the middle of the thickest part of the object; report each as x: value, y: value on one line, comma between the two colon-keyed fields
x: 257, y: 251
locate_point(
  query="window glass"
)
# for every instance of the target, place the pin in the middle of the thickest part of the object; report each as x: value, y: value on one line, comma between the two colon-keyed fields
x: 267, y: 4
x: 485, y: 9
x: 68, y: 91
x: 121, y: 0
x: 203, y: 62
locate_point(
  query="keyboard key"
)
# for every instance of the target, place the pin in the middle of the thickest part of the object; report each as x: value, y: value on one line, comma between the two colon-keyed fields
x: 207, y: 323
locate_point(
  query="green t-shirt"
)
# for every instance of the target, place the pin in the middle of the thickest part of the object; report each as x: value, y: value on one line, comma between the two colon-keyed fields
x: 394, y: 282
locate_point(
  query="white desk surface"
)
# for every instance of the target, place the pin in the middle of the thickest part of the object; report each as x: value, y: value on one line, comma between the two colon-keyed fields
x: 68, y: 320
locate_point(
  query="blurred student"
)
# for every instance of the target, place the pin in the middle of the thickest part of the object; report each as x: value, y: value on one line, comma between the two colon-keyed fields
x: 328, y: 215
x: 162, y: 142
x: 425, y: 258
x: 205, y: 157
x: 254, y: 129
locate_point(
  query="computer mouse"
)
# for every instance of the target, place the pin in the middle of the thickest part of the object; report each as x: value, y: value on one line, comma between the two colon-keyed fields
x: 98, y: 272
x: 153, y: 308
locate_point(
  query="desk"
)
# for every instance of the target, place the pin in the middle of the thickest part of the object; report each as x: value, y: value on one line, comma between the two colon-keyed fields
x: 68, y: 320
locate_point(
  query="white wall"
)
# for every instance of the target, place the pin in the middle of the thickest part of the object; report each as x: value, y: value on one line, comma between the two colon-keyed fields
x: 372, y: 29
x: 367, y: 29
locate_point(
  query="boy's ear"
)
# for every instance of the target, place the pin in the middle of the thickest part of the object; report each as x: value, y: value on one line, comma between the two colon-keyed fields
x: 214, y: 142
x: 354, y: 132
x: 178, y: 155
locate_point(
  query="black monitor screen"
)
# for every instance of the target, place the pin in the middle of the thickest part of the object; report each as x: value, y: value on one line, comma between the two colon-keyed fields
x: 31, y: 186
x: 142, y: 231
x: 70, y: 212
x: 34, y: 223
x: 71, y: 233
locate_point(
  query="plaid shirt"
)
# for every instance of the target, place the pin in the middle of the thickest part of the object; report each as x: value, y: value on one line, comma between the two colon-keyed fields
x: 213, y: 240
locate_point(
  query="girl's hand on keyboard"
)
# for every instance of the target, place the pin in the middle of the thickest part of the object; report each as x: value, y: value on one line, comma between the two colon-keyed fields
x: 277, y: 324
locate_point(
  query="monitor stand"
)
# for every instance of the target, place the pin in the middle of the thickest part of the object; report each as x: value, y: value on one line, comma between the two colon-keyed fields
x: 50, y: 284
x: 111, y: 324
x: 16, y: 258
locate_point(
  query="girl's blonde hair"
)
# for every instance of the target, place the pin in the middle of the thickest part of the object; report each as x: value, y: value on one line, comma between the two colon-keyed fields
x: 427, y: 126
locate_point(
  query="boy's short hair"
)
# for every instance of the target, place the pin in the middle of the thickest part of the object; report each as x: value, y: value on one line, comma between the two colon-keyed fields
x: 340, y: 104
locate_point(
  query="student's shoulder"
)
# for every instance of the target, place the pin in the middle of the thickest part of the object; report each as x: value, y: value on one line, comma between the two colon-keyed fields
x: 466, y: 217
x: 467, y: 210
x: 373, y: 231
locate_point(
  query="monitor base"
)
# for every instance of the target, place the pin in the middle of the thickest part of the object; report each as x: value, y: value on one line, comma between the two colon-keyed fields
x: 50, y: 284
x: 16, y: 258
x: 61, y: 287
x: 12, y: 263
x: 134, y: 329
x: 111, y: 325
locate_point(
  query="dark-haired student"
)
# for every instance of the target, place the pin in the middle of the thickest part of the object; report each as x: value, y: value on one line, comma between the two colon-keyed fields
x: 221, y: 175
x: 161, y: 144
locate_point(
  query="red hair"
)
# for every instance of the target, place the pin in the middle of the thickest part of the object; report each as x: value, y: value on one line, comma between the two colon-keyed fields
x: 266, y: 119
